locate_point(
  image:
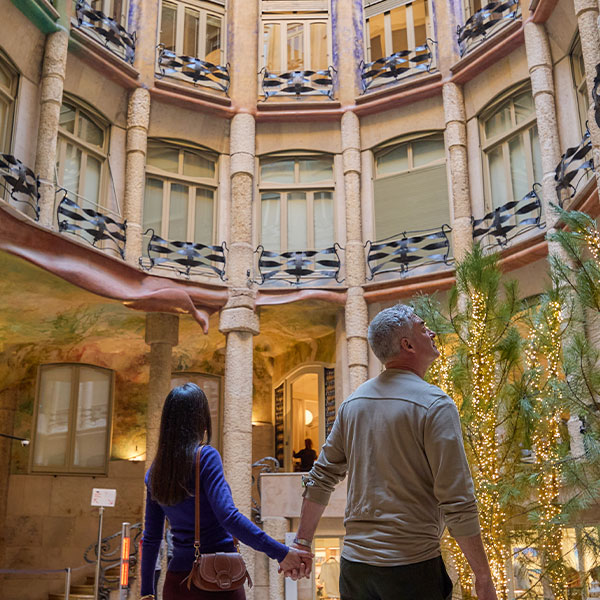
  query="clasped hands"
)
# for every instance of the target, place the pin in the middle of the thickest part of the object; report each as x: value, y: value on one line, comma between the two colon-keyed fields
x: 297, y: 563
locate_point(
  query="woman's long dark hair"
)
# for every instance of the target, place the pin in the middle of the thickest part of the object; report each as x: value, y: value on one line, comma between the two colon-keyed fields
x: 185, y: 423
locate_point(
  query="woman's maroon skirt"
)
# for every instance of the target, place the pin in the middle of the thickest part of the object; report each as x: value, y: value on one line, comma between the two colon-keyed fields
x: 174, y: 589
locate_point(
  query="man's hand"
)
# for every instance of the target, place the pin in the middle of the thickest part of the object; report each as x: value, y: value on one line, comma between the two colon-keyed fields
x: 484, y: 587
x: 297, y: 562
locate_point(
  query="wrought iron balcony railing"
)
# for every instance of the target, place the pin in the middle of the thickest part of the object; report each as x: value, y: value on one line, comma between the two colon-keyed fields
x: 576, y: 162
x: 408, y: 250
x: 20, y: 182
x: 508, y: 221
x: 596, y: 95
x: 185, y: 258
x: 196, y: 70
x: 268, y: 464
x: 90, y: 225
x: 298, y: 83
x: 397, y: 66
x: 105, y: 30
x: 484, y: 23
x: 299, y: 267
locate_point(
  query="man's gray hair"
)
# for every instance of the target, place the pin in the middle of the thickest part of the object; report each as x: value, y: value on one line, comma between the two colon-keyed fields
x: 387, y: 330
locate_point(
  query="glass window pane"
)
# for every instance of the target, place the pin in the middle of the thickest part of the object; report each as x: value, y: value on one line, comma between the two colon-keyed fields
x: 91, y: 187
x: 92, y: 418
x: 163, y: 157
x: 295, y: 46
x: 323, y: 217
x: 67, y: 118
x: 399, y: 32
x: 196, y: 165
x: 377, y: 36
x: 315, y: 169
x: 168, y: 25
x: 538, y: 171
x: 318, y: 46
x: 524, y: 107
x: 272, y: 48
x: 420, y: 18
x: 499, y: 122
x: 394, y: 161
x: 518, y: 167
x: 178, y: 212
x: 153, y: 200
x: 3, y: 126
x: 296, y: 221
x: 52, y: 427
x: 497, y: 177
x: 5, y: 79
x: 270, y: 234
x: 213, y: 39
x: 90, y: 132
x: 427, y: 151
x: 191, y: 24
x: 277, y: 171
x: 203, y: 226
x: 70, y: 180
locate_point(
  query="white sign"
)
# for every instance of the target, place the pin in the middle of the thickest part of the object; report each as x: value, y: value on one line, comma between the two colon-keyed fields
x: 103, y: 497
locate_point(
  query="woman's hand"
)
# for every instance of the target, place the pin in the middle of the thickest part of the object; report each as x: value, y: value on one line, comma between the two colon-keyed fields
x: 296, y: 564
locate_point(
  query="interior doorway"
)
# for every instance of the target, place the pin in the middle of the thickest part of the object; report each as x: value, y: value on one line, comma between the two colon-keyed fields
x: 304, y: 396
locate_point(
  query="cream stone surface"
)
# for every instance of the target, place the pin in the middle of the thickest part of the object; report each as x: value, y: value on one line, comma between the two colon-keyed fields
x: 276, y: 527
x: 239, y: 319
x: 285, y: 136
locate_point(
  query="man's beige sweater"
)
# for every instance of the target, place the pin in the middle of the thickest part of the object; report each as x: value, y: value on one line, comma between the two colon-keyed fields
x: 399, y: 441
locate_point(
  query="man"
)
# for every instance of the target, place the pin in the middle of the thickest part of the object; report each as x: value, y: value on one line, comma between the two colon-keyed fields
x: 399, y: 441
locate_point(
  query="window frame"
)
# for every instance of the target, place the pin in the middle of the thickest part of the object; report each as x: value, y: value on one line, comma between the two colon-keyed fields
x: 9, y: 96
x: 205, y: 8
x: 69, y: 468
x: 469, y: 8
x: 108, y: 8
x: 168, y: 177
x: 283, y: 189
x: 581, y: 89
x: 503, y: 139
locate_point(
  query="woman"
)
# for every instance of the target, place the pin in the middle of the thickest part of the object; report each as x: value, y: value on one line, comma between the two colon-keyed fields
x: 185, y: 427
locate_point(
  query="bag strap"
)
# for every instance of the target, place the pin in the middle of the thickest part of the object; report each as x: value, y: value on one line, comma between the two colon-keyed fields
x: 197, y: 507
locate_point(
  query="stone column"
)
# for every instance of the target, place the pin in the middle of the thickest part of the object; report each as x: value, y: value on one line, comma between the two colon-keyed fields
x: 356, y: 313
x: 276, y: 527
x: 586, y: 12
x: 51, y: 94
x: 138, y: 118
x: 456, y: 146
x: 348, y: 31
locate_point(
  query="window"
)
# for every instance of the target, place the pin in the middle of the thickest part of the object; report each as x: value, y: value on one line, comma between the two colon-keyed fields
x: 511, y: 148
x: 193, y: 29
x: 8, y: 94
x: 81, y: 155
x: 411, y: 188
x: 472, y: 6
x: 578, y: 70
x: 72, y: 419
x: 396, y: 26
x: 181, y: 185
x: 115, y: 9
x: 296, y: 208
x: 295, y: 41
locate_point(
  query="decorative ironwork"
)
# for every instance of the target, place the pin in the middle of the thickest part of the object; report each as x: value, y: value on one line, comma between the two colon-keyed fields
x: 91, y: 225
x: 199, y: 71
x: 105, y: 30
x: 298, y: 83
x: 408, y: 250
x: 268, y: 464
x: 299, y: 267
x: 511, y: 219
x: 398, y: 65
x: 485, y: 23
x: 596, y: 96
x: 186, y: 258
x: 110, y: 559
x: 572, y: 162
x: 21, y: 183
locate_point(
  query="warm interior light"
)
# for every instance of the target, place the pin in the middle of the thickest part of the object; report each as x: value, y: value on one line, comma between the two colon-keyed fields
x: 308, y: 417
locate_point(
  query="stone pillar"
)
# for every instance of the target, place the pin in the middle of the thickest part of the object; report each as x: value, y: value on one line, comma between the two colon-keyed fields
x: 456, y: 145
x: 276, y: 527
x: 51, y: 94
x: 138, y: 118
x: 348, y: 30
x: 356, y: 313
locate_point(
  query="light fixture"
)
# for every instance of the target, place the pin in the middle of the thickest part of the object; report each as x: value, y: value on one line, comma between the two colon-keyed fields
x: 308, y: 417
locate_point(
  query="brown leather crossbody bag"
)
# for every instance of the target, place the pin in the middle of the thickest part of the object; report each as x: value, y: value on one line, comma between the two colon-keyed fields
x: 219, y: 571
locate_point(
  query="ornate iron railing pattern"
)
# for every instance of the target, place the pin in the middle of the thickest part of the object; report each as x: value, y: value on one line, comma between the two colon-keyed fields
x: 575, y: 160
x: 267, y: 464
x: 510, y: 220
x: 197, y: 70
x: 596, y: 95
x: 21, y: 183
x: 486, y: 22
x: 110, y: 559
x: 91, y: 225
x: 298, y: 83
x: 299, y: 267
x: 105, y: 30
x: 186, y: 258
x: 408, y: 250
x: 398, y: 65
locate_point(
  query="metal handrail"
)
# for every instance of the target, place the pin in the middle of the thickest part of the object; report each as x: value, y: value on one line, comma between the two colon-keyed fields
x: 298, y: 83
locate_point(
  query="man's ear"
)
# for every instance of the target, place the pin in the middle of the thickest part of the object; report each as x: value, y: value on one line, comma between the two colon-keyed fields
x: 406, y: 345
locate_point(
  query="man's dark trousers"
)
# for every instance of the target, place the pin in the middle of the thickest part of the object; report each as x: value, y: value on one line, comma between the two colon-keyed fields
x: 427, y: 580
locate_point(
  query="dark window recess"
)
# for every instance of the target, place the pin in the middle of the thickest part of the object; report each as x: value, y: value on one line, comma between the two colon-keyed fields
x: 329, y: 400
x: 279, y: 433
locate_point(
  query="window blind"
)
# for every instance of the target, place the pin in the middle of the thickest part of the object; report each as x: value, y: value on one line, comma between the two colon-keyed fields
x: 376, y: 7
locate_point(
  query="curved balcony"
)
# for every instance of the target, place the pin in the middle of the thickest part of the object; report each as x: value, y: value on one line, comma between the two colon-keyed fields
x: 574, y: 168
x: 298, y: 83
x: 20, y: 184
